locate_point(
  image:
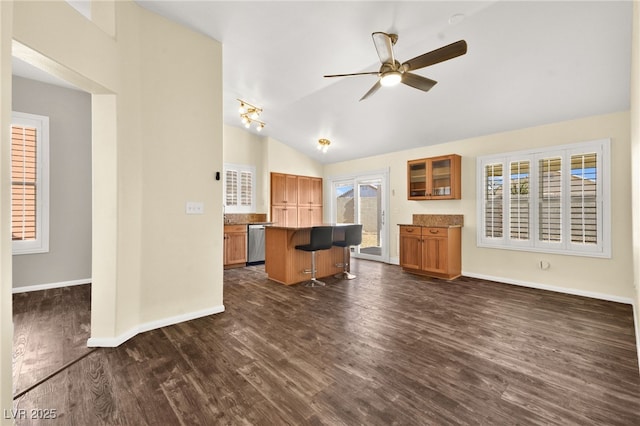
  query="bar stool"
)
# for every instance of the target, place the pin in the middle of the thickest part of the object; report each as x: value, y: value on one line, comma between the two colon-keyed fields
x: 321, y: 239
x: 352, y: 237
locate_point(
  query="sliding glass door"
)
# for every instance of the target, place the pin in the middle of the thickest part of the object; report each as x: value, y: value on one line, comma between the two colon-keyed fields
x: 363, y: 199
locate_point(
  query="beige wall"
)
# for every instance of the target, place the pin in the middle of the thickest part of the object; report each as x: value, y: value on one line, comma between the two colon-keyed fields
x: 157, y: 143
x: 244, y: 147
x: 282, y: 158
x: 69, y: 258
x: 609, y: 277
x: 181, y: 255
x: 267, y: 155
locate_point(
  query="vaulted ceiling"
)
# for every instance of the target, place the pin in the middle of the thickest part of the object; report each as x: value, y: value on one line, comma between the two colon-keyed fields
x: 528, y: 63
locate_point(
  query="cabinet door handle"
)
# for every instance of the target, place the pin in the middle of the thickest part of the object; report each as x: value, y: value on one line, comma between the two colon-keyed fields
x: 433, y: 231
x: 410, y: 229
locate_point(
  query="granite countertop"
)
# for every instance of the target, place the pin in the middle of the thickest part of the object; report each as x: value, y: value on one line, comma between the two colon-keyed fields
x: 437, y: 220
x: 246, y: 219
x: 248, y: 223
x: 431, y: 226
x: 298, y: 228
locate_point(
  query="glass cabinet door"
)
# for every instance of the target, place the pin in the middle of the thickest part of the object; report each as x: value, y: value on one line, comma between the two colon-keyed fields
x: 417, y: 179
x: 441, y: 178
x: 434, y: 178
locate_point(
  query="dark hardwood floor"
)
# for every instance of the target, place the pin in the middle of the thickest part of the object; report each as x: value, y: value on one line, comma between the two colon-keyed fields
x: 51, y: 328
x: 386, y: 348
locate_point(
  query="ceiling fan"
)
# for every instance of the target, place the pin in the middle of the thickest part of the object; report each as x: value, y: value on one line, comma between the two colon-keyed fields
x: 393, y: 72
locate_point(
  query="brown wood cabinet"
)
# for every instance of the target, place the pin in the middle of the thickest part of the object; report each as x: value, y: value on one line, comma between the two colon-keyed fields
x: 235, y: 246
x: 284, y: 215
x: 433, y: 251
x: 434, y: 178
x: 309, y: 216
x: 286, y: 265
x: 284, y: 189
x: 296, y: 200
x: 309, y: 191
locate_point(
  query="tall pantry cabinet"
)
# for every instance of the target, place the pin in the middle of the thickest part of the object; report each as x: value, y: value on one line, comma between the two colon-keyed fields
x: 296, y: 200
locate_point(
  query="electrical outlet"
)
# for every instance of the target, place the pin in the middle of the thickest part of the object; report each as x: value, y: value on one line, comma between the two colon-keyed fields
x: 195, y: 207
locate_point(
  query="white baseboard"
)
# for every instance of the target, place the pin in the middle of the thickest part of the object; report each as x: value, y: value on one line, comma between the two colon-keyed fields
x: 111, y: 342
x: 394, y: 260
x: 39, y: 287
x: 591, y: 294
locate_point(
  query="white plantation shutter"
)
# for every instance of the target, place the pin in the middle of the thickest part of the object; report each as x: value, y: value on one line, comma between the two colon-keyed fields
x: 584, y: 199
x: 493, y: 200
x: 246, y: 188
x: 557, y: 200
x: 550, y: 200
x: 231, y: 188
x: 239, y: 188
x: 519, y: 200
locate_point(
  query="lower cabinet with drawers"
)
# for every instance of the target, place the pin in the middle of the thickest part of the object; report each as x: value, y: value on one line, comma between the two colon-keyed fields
x: 235, y: 246
x: 431, y: 250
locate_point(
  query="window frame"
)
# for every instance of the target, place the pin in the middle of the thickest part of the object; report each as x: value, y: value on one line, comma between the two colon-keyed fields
x: 602, y: 148
x: 41, y: 243
x: 240, y: 168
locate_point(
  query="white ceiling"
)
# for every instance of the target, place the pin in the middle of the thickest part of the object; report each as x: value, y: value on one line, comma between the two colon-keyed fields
x: 528, y: 63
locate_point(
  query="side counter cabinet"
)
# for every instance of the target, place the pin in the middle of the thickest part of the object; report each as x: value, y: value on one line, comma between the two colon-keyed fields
x: 432, y: 251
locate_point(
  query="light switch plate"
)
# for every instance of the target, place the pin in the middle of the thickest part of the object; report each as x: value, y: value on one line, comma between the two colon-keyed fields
x: 195, y: 207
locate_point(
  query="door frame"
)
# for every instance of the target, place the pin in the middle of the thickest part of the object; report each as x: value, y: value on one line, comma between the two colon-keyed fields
x: 355, y: 179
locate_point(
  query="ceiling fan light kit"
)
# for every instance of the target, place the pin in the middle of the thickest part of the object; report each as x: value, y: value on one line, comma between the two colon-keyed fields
x: 250, y: 114
x: 393, y: 72
x: 391, y: 78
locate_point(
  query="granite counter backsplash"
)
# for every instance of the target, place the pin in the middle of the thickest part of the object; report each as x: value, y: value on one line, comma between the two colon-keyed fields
x: 438, y: 219
x: 231, y: 218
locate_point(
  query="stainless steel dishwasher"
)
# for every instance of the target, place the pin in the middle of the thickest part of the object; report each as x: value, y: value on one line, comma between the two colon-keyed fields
x: 255, y: 255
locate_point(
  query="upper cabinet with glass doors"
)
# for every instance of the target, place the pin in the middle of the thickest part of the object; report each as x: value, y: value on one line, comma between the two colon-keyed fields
x: 435, y: 178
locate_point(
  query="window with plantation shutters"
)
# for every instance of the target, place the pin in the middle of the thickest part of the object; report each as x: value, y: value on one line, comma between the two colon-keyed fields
x: 239, y: 188
x: 23, y: 183
x: 29, y: 183
x: 555, y: 201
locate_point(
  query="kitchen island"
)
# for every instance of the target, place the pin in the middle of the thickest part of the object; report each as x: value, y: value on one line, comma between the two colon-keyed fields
x: 286, y: 265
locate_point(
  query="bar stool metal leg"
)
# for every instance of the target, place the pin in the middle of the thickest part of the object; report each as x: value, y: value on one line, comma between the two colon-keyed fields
x: 314, y: 282
x: 345, y: 274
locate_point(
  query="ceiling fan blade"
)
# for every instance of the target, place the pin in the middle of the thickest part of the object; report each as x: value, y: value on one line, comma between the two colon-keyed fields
x: 384, y: 46
x: 352, y: 74
x: 371, y: 91
x: 436, y: 56
x: 418, y: 81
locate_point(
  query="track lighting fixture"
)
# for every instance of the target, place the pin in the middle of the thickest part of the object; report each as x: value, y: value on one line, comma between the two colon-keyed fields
x: 250, y: 114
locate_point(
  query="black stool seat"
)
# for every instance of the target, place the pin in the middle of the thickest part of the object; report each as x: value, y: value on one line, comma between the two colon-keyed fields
x: 321, y: 239
x: 352, y: 237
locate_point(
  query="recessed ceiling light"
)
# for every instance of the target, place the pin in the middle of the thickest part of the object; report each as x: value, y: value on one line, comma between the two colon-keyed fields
x: 456, y: 18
